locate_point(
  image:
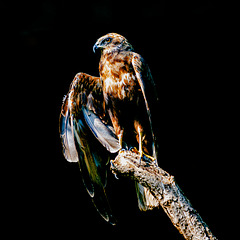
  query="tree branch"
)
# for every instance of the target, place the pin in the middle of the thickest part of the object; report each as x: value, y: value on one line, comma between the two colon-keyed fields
x: 164, y: 188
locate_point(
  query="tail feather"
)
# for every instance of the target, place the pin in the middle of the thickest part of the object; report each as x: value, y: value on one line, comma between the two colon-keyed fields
x: 146, y: 201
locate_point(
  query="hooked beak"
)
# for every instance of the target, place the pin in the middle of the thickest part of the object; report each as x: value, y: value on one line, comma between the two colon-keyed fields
x: 95, y: 47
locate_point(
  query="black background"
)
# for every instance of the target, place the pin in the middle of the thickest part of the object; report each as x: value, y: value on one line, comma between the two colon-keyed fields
x: 47, y: 43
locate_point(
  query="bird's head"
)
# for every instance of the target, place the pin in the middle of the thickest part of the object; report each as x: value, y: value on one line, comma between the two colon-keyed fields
x: 112, y: 42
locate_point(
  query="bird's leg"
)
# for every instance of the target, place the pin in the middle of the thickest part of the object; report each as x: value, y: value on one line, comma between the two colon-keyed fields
x: 140, y: 134
x: 120, y: 137
x: 140, y: 150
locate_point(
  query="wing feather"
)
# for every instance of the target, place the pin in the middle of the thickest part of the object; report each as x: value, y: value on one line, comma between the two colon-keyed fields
x: 104, y: 133
x: 66, y: 134
x: 87, y: 138
x: 92, y: 162
x: 148, y: 88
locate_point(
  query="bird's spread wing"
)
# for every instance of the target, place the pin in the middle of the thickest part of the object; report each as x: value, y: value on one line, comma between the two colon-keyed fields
x: 87, y: 138
x: 148, y: 88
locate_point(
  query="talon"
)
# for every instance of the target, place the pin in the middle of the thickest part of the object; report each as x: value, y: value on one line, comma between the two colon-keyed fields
x: 149, y: 157
x: 122, y: 150
x: 133, y: 149
x: 145, y: 157
x: 115, y: 175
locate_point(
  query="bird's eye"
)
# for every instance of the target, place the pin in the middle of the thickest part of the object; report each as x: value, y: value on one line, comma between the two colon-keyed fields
x: 108, y: 40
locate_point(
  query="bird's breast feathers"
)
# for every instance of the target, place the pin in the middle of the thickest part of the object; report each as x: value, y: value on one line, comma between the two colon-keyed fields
x: 118, y: 76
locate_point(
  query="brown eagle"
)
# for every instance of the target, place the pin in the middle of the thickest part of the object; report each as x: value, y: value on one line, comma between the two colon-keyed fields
x: 102, y: 115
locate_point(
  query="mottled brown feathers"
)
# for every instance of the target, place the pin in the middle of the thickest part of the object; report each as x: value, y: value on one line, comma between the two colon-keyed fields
x: 101, y: 115
x: 86, y: 90
x: 128, y: 91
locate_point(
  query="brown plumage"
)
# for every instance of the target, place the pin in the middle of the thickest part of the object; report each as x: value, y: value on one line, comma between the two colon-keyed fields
x: 110, y: 112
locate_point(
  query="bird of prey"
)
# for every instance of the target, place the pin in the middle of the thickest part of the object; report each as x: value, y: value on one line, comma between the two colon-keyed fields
x: 102, y: 115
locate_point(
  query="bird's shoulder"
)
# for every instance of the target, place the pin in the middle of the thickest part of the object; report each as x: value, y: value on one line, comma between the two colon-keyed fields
x: 85, y: 82
x: 123, y: 57
x: 86, y: 90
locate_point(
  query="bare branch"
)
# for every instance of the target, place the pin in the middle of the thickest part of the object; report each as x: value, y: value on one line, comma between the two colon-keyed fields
x: 164, y: 188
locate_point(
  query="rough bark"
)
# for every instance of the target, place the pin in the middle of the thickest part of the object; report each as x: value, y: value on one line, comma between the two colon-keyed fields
x: 163, y: 186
